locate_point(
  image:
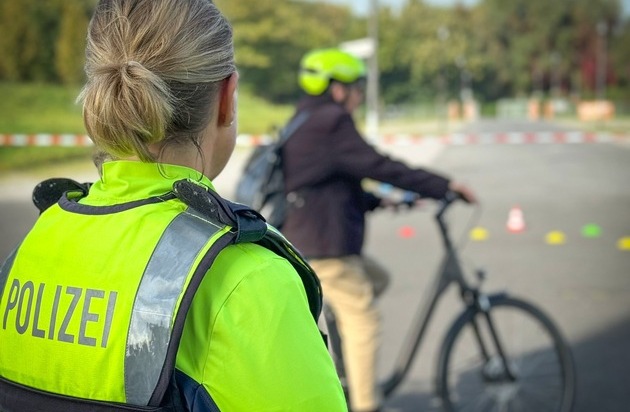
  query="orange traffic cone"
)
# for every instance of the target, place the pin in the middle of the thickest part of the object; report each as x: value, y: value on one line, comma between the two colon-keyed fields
x: 516, y: 221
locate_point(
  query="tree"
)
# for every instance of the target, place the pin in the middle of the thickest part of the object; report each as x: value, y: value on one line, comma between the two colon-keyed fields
x: 425, y: 51
x: 620, y: 56
x: 538, y: 44
x: 29, y: 29
x: 504, y: 48
x: 70, y: 43
x: 270, y: 37
x: 35, y: 32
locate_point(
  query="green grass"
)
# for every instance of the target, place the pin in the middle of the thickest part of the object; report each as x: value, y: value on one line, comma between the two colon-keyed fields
x: 257, y: 116
x: 20, y: 158
x: 39, y: 108
x: 46, y: 108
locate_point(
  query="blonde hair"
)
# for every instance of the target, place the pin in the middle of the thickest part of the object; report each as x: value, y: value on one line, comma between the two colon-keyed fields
x: 154, y: 69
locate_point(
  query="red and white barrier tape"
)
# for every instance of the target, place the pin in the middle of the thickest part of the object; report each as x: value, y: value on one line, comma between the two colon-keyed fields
x: 527, y: 138
x: 250, y: 140
x: 69, y: 140
x: 403, y: 139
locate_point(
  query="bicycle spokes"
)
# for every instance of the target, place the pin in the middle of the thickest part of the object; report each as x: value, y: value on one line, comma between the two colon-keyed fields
x: 512, y: 360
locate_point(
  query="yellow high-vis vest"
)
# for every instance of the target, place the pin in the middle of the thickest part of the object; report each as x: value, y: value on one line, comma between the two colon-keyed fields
x: 125, y: 330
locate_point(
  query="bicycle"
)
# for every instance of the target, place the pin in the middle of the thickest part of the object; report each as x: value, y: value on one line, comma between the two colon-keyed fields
x: 496, y: 374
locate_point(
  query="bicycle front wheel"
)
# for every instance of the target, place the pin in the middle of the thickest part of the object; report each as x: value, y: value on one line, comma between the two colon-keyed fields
x: 524, y: 366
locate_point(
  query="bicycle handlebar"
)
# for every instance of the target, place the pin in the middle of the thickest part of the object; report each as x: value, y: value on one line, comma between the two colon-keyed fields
x: 410, y: 199
x: 449, y: 198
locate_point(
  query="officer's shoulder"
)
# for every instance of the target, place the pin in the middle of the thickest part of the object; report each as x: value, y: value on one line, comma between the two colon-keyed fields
x: 255, y: 255
x: 254, y: 265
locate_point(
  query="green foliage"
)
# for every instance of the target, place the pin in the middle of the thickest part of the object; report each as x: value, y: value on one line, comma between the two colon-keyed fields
x: 620, y: 59
x: 429, y: 46
x: 29, y: 30
x: 538, y: 45
x: 271, y: 36
x: 501, y: 48
x: 43, y: 40
x: 258, y: 116
x: 70, y: 44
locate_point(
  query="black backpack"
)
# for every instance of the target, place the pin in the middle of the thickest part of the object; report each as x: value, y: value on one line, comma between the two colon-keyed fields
x: 261, y: 185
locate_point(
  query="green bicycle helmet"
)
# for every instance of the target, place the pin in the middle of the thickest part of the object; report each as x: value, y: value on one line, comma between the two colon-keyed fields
x: 319, y: 67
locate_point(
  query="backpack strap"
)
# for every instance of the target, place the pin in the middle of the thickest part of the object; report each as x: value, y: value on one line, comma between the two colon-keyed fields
x: 291, y: 127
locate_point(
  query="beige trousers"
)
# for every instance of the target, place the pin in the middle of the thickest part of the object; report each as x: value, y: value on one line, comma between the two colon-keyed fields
x: 350, y: 285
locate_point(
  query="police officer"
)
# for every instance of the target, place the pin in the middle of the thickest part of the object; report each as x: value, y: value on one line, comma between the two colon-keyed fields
x: 324, y: 164
x: 90, y: 300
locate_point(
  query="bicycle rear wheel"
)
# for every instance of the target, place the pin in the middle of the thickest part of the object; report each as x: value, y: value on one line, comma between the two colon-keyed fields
x: 472, y: 376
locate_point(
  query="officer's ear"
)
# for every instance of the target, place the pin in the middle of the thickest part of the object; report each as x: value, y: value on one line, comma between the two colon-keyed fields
x: 228, y: 100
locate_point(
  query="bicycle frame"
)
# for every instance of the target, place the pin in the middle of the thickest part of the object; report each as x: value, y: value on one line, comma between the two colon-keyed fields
x: 450, y: 272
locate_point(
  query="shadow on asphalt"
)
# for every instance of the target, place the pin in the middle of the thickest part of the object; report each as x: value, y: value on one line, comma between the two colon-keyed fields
x: 597, y: 359
x: 15, y: 222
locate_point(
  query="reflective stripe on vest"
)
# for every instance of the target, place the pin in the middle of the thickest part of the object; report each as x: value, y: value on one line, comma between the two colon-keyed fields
x: 158, y: 296
x: 87, y: 312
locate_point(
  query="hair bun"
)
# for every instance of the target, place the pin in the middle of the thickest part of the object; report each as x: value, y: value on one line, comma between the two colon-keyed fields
x: 153, y: 67
x: 132, y: 68
x: 129, y: 68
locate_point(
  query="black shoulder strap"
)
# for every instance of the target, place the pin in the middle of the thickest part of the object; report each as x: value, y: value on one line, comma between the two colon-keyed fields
x: 291, y: 127
x: 48, y: 192
x: 248, y: 224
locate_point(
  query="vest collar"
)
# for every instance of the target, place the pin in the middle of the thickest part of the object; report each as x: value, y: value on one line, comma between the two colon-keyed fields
x: 127, y: 181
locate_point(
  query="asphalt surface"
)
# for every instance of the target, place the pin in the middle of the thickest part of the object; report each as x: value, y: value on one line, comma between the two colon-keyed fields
x: 583, y: 283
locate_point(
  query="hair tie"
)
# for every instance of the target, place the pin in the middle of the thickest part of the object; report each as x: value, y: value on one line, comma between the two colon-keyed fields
x: 126, y: 66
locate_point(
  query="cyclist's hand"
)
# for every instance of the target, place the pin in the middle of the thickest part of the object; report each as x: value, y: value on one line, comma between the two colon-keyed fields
x: 463, y: 191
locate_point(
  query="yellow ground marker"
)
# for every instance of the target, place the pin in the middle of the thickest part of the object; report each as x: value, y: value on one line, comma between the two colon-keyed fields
x: 479, y: 234
x: 624, y: 243
x: 555, y: 238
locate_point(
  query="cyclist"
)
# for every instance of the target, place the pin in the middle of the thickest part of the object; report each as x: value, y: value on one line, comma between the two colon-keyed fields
x: 324, y: 164
x: 82, y: 300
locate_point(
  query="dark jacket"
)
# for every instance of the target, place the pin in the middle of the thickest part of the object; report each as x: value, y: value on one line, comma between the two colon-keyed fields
x: 324, y: 163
